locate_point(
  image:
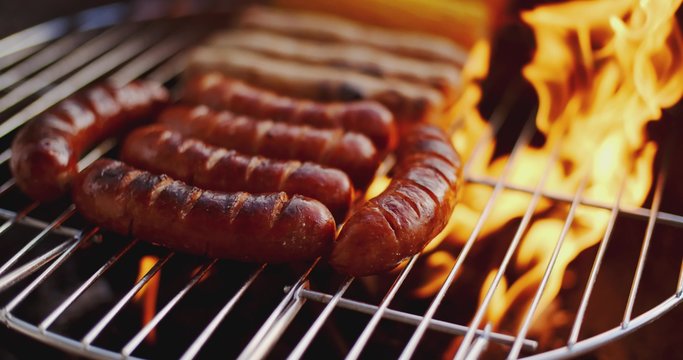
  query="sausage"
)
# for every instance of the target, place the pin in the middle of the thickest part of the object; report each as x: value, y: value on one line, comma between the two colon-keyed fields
x: 158, y: 149
x: 350, y: 152
x: 271, y: 227
x: 327, y: 28
x: 408, y: 101
x: 223, y: 93
x: 444, y: 77
x: 46, y: 151
x: 414, y: 208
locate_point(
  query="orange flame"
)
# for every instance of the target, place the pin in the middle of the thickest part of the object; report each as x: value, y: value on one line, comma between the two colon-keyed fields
x: 148, y: 293
x: 602, y: 70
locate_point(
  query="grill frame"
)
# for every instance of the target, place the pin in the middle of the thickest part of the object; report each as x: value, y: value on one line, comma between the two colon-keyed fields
x: 134, y: 57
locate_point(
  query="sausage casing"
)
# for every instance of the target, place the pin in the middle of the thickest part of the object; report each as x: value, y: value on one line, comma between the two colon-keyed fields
x: 408, y: 101
x: 414, y: 208
x: 158, y: 149
x: 46, y: 151
x: 350, y: 152
x: 369, y: 118
x: 328, y: 28
x: 240, y: 226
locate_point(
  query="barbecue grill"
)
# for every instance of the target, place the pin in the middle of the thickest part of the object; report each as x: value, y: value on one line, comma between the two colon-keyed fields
x: 253, y: 311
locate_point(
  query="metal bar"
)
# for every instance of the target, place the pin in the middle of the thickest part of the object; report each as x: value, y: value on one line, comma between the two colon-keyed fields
x: 411, y: 319
x: 17, y: 216
x: 480, y: 344
x: 32, y: 36
x: 161, y: 51
x: 58, y: 221
x: 41, y: 59
x: 106, y: 319
x: 38, y: 224
x: 85, y: 285
x: 120, y: 54
x: 497, y: 119
x: 656, y: 202
x: 85, y: 53
x: 634, y: 212
x: 597, y: 263
x: 171, y: 68
x: 592, y: 343
x: 357, y: 348
x: 197, y: 344
x: 142, y: 334
x: 522, y: 141
x: 524, y: 223
x: 47, y: 272
x: 261, y: 333
x: 521, y: 334
x: 306, y: 340
x: 679, y: 288
x: 34, y: 265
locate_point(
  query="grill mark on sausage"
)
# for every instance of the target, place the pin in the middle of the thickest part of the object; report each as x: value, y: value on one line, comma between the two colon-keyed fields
x: 236, y: 207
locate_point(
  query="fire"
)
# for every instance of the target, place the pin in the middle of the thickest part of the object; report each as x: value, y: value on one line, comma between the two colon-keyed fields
x: 147, y: 296
x: 602, y: 70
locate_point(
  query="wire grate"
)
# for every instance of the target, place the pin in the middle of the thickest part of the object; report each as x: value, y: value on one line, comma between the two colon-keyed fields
x: 58, y: 58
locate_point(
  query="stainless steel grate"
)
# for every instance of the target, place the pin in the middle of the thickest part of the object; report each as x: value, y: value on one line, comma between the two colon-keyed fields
x: 49, y: 62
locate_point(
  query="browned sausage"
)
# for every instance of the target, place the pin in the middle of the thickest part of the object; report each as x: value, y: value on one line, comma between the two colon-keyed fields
x: 408, y: 101
x: 409, y: 213
x: 328, y: 28
x: 158, y: 149
x: 45, y: 152
x: 366, y: 59
x: 261, y: 228
x: 223, y: 93
x: 350, y: 152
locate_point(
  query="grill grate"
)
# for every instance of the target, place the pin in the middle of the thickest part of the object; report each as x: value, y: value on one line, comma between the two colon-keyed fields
x: 92, y: 50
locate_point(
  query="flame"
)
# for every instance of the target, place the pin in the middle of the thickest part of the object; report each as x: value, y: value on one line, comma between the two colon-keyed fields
x: 602, y: 70
x: 147, y: 295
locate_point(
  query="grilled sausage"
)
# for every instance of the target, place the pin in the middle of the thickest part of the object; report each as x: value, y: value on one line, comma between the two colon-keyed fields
x: 45, y: 152
x: 368, y: 60
x: 409, y: 102
x: 409, y: 213
x: 323, y: 27
x: 158, y: 149
x: 350, y: 152
x: 240, y: 226
x: 366, y: 117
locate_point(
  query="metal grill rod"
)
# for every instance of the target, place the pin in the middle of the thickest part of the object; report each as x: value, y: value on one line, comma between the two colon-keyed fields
x: 411, y: 319
x: 480, y: 344
x: 595, y: 269
x: 256, y: 341
x: 104, y: 321
x: 357, y: 348
x: 524, y: 223
x: 521, y: 334
x: 33, y: 265
x: 197, y: 344
x: 41, y: 59
x: 81, y: 56
x: 57, y: 222
x: 656, y: 202
x: 142, y: 334
x: 47, y: 272
x: 319, y: 321
x: 83, y: 77
x: 522, y: 141
x: 50, y: 30
x: 84, y: 286
x: 633, y: 212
